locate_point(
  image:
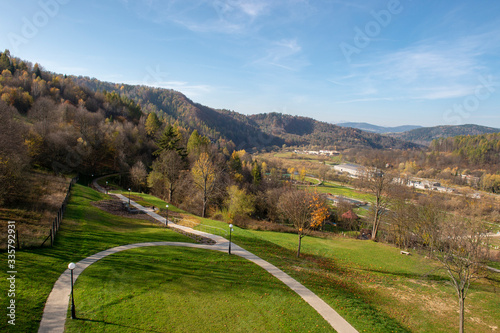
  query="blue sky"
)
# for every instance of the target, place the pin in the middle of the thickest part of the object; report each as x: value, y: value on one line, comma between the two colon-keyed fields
x: 386, y: 62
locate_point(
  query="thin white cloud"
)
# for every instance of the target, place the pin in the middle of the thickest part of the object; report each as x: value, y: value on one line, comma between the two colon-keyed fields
x: 205, y: 16
x: 428, y: 70
x: 285, y: 53
x: 374, y: 99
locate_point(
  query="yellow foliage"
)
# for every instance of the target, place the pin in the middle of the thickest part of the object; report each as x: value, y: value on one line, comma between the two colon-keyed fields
x: 319, y: 211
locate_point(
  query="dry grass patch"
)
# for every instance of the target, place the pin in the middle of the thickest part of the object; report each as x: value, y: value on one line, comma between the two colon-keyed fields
x: 39, y: 207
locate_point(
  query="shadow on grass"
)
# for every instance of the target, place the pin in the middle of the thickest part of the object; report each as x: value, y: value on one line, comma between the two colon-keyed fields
x: 339, y: 286
x: 114, y: 324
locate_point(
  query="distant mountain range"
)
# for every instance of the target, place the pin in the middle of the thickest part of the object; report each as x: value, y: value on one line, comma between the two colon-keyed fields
x: 425, y: 135
x: 379, y: 129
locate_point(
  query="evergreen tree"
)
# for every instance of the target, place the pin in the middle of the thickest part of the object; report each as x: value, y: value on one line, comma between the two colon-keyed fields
x: 170, y: 140
x: 256, y: 173
x: 36, y: 70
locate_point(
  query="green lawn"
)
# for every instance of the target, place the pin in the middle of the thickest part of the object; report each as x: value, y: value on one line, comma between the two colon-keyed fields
x: 336, y: 189
x: 174, y: 289
x: 84, y: 231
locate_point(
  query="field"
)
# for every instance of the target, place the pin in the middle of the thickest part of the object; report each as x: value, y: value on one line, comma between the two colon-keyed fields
x: 374, y: 287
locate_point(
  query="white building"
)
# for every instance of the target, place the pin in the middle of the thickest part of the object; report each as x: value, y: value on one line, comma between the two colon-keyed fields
x: 352, y: 169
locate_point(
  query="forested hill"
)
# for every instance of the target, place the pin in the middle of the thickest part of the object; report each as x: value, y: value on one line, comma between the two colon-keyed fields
x: 23, y: 84
x: 425, y: 135
x: 177, y: 109
x: 483, y: 149
x: 296, y: 130
x: 259, y: 131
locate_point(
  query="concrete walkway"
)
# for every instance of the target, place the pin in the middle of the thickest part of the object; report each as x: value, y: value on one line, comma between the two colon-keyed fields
x: 56, y: 307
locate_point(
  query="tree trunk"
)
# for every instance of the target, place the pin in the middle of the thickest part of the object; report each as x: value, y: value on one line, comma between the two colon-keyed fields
x: 298, y: 249
x: 375, y: 224
x: 170, y: 193
x: 462, y: 312
x: 204, y: 208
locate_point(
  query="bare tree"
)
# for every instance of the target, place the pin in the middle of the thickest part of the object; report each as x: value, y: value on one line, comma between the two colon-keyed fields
x: 296, y: 207
x: 461, y: 247
x: 323, y: 172
x: 377, y: 183
x: 138, y: 175
x: 165, y: 174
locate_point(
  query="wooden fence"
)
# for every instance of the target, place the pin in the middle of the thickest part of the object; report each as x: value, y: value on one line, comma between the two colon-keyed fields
x: 56, y: 224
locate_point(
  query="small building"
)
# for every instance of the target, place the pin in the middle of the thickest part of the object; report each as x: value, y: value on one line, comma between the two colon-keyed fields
x: 350, y: 215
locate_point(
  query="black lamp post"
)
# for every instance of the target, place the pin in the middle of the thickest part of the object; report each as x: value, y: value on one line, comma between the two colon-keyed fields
x: 230, y: 230
x: 106, y: 187
x: 129, y: 198
x: 166, y: 218
x: 71, y: 267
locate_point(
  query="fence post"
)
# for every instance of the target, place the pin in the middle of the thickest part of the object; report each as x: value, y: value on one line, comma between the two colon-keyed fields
x: 51, y: 239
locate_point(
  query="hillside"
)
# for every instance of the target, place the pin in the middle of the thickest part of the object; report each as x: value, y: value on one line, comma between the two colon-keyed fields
x: 379, y: 129
x: 425, y: 135
x: 259, y: 131
x: 296, y: 130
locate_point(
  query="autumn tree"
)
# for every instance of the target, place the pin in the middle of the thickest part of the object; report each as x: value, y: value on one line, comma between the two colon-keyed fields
x: 204, y: 174
x: 152, y: 124
x: 235, y: 162
x: 302, y: 174
x: 319, y: 212
x: 197, y: 144
x: 296, y: 207
x: 239, y: 203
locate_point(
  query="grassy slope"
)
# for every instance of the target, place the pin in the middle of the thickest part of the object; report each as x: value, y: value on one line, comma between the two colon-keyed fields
x: 375, y: 287
x: 132, y: 284
x: 371, y: 284
x: 84, y: 231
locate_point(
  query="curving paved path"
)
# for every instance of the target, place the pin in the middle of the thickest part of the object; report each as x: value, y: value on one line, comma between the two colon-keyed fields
x: 56, y: 307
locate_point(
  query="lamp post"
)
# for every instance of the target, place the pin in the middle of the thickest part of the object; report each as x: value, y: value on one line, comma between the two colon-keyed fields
x: 129, y: 198
x: 166, y: 218
x: 230, y: 230
x: 71, y: 267
x: 106, y: 187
